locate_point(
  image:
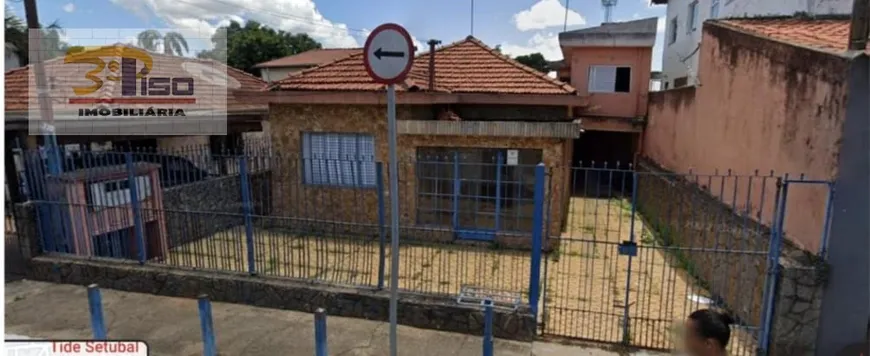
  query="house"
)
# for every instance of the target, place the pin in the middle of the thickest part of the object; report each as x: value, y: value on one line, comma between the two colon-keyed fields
x: 474, y: 110
x: 280, y: 68
x: 684, y: 19
x: 788, y: 96
x: 244, y: 120
x: 610, y: 64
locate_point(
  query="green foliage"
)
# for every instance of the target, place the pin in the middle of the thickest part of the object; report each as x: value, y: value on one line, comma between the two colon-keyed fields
x: 536, y: 61
x: 17, y: 38
x: 245, y: 46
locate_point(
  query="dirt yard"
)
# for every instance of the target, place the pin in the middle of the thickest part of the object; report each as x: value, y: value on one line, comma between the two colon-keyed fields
x: 585, y: 278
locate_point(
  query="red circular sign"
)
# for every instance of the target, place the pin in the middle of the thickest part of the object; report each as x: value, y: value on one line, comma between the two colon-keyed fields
x: 388, y: 54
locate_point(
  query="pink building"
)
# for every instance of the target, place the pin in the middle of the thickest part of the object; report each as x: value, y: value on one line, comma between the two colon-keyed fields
x: 610, y: 64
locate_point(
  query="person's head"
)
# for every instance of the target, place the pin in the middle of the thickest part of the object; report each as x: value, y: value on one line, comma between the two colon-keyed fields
x: 707, y: 332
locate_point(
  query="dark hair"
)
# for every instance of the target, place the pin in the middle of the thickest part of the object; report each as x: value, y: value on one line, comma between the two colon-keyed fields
x: 711, y: 324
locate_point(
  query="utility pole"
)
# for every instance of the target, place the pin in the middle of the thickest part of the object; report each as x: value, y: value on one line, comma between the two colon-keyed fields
x: 860, y: 27
x: 36, y: 53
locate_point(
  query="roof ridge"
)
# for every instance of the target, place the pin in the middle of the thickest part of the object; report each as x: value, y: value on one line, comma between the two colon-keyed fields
x: 309, y: 70
x: 237, y: 70
x: 524, y: 67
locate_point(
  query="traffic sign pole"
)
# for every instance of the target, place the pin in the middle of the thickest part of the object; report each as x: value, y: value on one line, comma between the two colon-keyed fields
x: 394, y: 220
x: 389, y: 55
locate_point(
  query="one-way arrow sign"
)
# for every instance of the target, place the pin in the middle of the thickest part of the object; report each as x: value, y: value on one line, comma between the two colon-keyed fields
x: 381, y: 53
x: 389, y: 54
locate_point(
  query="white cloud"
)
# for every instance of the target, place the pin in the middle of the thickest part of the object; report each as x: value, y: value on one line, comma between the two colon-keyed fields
x: 69, y: 7
x: 544, y: 14
x: 547, y: 43
x: 295, y: 16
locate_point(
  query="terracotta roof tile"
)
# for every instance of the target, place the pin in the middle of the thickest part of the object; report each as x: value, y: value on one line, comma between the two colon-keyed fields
x: 314, y: 57
x: 19, y: 90
x: 824, y: 34
x: 466, y: 66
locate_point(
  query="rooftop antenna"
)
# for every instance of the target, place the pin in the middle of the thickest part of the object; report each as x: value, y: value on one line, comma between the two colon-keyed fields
x: 608, y: 9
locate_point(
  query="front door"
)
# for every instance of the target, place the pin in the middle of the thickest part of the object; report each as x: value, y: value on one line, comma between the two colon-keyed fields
x: 477, y: 193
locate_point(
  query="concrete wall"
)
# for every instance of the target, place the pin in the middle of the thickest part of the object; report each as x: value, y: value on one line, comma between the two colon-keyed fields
x: 429, y: 313
x: 632, y: 104
x: 762, y: 106
x: 354, y: 207
x: 681, y: 58
x: 728, y: 254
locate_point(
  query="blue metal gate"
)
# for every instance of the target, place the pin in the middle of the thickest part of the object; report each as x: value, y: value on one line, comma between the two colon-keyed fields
x: 642, y: 249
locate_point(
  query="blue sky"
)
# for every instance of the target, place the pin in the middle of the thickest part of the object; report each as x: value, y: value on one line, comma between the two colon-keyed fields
x: 519, y: 26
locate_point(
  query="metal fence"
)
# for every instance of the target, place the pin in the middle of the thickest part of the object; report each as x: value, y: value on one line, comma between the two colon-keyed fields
x: 308, y: 218
x: 616, y: 254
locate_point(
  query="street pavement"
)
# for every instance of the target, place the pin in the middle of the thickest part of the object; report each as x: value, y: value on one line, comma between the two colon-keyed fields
x: 170, y: 326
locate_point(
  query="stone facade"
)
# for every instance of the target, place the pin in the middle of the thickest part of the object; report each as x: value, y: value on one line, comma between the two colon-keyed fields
x: 728, y: 257
x: 198, y: 210
x: 413, y: 310
x: 355, y: 210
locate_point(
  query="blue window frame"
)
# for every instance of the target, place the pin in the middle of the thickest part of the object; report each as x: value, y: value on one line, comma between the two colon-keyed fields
x: 714, y: 9
x: 338, y: 159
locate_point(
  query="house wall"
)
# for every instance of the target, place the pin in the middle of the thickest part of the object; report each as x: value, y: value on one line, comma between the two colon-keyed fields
x: 632, y: 104
x: 277, y: 73
x: 681, y: 58
x: 356, y: 209
x: 763, y: 106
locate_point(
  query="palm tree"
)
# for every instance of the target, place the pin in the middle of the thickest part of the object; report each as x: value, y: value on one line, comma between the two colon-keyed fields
x: 17, y: 38
x: 173, y: 42
x: 148, y: 40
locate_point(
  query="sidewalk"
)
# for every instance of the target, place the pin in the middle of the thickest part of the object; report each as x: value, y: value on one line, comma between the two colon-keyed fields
x: 170, y: 326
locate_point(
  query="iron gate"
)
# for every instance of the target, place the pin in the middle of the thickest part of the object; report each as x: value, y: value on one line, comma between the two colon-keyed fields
x: 641, y: 250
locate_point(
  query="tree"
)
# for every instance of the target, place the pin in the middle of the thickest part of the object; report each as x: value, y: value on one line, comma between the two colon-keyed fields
x: 497, y: 48
x: 173, y: 42
x: 17, y: 38
x: 245, y: 46
x: 536, y: 61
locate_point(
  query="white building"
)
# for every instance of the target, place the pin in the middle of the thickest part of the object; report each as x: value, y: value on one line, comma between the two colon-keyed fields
x: 11, y: 60
x: 685, y: 18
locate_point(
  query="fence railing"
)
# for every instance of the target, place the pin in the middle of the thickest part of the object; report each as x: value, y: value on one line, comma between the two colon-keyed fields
x: 308, y: 218
x: 580, y: 240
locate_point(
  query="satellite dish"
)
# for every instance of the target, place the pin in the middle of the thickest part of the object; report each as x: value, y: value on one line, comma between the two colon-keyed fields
x: 211, y: 75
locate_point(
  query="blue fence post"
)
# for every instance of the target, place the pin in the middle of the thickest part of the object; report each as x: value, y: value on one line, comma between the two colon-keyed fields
x: 134, y: 203
x: 630, y: 250
x: 537, y: 240
x: 320, y: 332
x: 247, y: 210
x: 487, y: 328
x: 826, y: 229
x: 456, y: 191
x: 382, y: 228
x: 95, y: 304
x: 498, y: 169
x: 772, y: 279
x: 205, y: 323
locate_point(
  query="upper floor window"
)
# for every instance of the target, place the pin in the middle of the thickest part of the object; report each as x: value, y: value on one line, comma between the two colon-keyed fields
x: 692, y: 21
x: 338, y: 159
x: 714, y: 9
x: 609, y: 79
x: 672, y: 37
